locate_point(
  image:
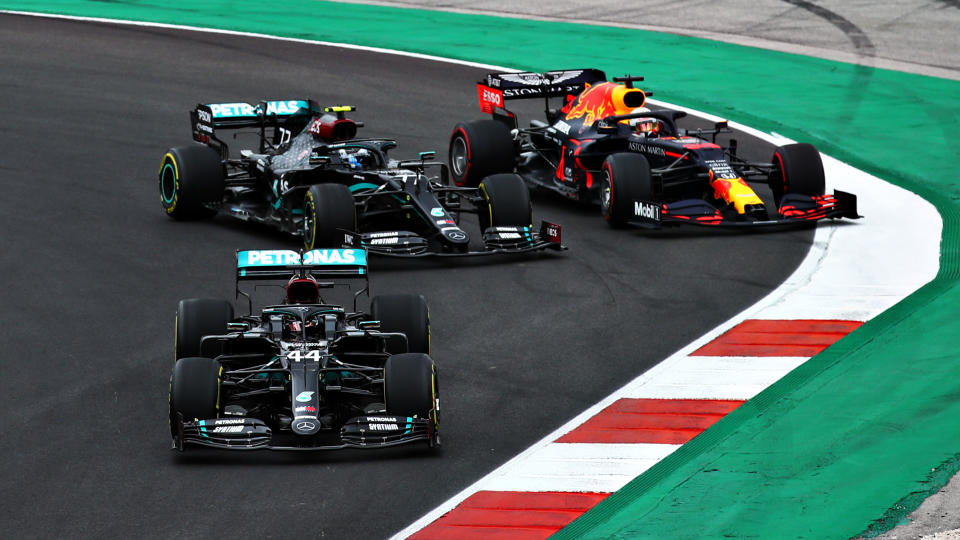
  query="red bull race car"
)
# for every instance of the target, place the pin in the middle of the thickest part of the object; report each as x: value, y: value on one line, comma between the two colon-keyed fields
x: 605, y: 146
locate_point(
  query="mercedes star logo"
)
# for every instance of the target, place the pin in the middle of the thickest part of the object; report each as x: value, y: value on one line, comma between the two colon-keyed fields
x: 305, y: 426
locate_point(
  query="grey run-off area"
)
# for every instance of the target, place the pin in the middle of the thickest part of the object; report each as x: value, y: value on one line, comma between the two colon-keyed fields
x: 913, y: 36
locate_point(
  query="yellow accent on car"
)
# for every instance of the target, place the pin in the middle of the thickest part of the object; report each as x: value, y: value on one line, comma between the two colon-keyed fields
x: 176, y: 169
x: 219, y: 378
x: 489, y: 206
x: 311, y: 207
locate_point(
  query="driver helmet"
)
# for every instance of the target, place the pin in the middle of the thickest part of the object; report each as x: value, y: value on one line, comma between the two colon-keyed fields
x: 645, y: 126
x: 364, y: 157
x: 349, y: 159
x: 303, y: 290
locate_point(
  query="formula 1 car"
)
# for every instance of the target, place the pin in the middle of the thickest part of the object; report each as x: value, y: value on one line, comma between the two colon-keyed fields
x: 305, y: 173
x: 604, y: 146
x: 304, y: 373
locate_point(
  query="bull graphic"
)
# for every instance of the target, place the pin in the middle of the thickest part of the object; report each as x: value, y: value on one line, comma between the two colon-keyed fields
x: 605, y: 99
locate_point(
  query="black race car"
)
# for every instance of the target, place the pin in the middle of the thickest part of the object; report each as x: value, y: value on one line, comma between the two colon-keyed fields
x: 302, y: 170
x: 604, y: 146
x: 304, y: 373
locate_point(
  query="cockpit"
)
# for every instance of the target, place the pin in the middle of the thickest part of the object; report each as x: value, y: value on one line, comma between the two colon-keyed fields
x: 303, y: 323
x: 358, y: 158
x: 296, y: 330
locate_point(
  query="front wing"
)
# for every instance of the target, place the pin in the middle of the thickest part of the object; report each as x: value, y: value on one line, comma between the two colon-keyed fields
x: 378, y: 431
x: 496, y: 241
x: 794, y: 210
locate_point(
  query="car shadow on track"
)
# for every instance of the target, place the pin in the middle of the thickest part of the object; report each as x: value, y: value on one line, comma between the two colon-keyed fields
x: 208, y: 456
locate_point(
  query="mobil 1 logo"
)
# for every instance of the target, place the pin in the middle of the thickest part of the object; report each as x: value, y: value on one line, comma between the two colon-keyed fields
x: 646, y: 211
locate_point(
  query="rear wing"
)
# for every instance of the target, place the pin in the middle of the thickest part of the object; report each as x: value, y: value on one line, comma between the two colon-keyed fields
x: 495, y: 88
x: 206, y: 118
x: 285, y: 263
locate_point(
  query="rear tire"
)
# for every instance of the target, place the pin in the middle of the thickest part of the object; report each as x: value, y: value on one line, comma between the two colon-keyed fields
x: 798, y: 169
x: 194, y: 390
x: 405, y: 313
x: 198, y: 317
x: 626, y: 177
x: 327, y: 209
x: 411, y: 388
x: 478, y: 149
x: 507, y: 202
x: 191, y: 181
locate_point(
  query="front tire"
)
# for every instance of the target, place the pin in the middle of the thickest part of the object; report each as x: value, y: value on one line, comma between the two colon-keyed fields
x: 478, y: 149
x: 507, y: 202
x: 626, y: 177
x: 797, y: 169
x: 327, y: 209
x: 198, y: 317
x: 194, y: 391
x: 410, y: 388
x: 191, y: 182
x: 405, y: 313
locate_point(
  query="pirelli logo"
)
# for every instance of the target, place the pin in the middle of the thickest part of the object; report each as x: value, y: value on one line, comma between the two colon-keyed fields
x: 646, y: 211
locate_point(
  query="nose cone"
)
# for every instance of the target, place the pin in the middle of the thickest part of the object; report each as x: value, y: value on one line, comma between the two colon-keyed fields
x: 305, y: 425
x: 456, y: 235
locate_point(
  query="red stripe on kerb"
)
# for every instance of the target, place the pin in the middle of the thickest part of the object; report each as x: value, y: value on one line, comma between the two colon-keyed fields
x: 778, y: 338
x: 510, y: 514
x: 655, y: 421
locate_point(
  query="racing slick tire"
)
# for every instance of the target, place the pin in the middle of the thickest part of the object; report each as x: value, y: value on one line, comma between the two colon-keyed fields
x: 327, y: 208
x: 194, y: 390
x: 198, y: 317
x: 479, y: 149
x: 191, y: 182
x: 626, y: 177
x: 507, y: 202
x: 798, y: 169
x: 405, y: 313
x: 411, y: 388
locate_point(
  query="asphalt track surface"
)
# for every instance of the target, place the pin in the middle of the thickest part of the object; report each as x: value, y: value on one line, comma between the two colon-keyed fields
x: 93, y: 270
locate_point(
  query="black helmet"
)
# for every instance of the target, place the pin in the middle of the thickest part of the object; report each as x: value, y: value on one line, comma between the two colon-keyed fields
x: 302, y: 290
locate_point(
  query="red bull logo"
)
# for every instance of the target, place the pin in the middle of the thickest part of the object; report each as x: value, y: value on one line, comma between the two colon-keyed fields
x: 605, y: 99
